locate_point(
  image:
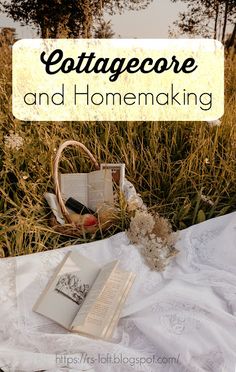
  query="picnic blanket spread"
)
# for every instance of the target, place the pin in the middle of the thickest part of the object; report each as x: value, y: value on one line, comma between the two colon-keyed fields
x: 181, y: 320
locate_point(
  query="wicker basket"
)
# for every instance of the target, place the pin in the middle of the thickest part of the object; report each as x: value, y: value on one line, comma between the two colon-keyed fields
x: 70, y: 228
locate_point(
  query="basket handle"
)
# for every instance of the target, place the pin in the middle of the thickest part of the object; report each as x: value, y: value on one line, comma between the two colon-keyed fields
x: 55, y: 172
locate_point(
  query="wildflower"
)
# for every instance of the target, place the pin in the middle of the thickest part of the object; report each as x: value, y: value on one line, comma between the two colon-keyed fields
x: 13, y: 141
x: 206, y: 161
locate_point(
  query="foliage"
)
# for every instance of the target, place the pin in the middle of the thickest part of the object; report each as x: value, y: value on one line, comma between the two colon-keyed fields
x: 65, y: 18
x: 207, y: 18
x: 103, y: 30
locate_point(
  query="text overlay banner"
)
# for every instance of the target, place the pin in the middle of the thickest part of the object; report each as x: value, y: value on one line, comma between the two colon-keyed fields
x: 118, y: 80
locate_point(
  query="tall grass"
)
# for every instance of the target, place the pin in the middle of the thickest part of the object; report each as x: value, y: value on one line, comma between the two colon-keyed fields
x: 185, y: 171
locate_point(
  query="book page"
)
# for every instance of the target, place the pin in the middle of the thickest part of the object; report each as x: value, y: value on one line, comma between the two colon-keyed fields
x: 105, y: 311
x: 75, y: 185
x: 107, y: 333
x: 100, y: 188
x: 67, y: 289
x: 94, y: 293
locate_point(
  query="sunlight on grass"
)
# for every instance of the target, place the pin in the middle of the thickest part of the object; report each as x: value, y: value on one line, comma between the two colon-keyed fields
x: 184, y: 171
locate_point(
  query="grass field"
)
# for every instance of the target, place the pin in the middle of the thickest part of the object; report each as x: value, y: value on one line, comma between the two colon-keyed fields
x: 185, y: 171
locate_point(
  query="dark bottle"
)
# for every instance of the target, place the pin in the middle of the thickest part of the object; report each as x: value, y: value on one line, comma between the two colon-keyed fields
x: 78, y: 207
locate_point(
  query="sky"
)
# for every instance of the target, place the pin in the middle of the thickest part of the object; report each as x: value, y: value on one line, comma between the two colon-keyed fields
x: 152, y: 22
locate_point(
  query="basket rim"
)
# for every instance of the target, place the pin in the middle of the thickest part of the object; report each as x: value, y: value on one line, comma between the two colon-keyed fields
x: 56, y: 163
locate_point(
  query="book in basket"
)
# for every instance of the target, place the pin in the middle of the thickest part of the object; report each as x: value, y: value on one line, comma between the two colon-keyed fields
x: 91, y: 189
x: 84, y: 297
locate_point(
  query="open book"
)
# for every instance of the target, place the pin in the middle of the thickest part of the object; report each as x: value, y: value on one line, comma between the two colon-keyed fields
x: 91, y: 189
x: 84, y: 297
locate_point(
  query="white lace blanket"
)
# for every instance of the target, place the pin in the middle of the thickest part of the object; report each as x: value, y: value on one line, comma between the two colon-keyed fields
x: 183, y: 320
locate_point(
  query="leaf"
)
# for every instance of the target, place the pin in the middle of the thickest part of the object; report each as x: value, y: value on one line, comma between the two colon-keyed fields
x: 201, y: 216
x: 184, y: 211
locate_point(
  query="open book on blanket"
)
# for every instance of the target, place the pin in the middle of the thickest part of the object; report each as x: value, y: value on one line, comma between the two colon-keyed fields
x: 84, y: 297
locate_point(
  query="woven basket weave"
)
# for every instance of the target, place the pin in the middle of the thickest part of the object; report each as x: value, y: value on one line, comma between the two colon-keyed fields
x: 69, y: 228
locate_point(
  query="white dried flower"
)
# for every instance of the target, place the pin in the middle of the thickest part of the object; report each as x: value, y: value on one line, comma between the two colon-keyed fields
x: 206, y: 161
x: 13, y: 141
x: 141, y: 224
x: 134, y: 203
x: 207, y: 200
x: 154, y: 237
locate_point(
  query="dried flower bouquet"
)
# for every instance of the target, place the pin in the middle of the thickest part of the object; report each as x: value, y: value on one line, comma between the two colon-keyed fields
x: 154, y: 237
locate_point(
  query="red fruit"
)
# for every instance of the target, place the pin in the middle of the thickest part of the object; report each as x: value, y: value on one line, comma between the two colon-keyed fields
x: 89, y: 220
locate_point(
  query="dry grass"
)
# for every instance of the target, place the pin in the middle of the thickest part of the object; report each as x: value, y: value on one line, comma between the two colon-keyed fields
x: 165, y: 161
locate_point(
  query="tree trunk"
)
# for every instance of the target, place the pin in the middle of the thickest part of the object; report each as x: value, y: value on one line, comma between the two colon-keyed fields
x: 225, y: 20
x: 45, y: 33
x: 230, y: 42
x: 216, y: 18
x: 44, y: 30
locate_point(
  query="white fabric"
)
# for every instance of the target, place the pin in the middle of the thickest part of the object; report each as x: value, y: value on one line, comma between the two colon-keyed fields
x: 188, y: 312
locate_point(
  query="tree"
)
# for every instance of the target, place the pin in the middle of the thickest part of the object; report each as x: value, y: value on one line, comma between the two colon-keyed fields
x: 208, y: 18
x: 231, y: 40
x: 71, y: 18
x: 103, y: 30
